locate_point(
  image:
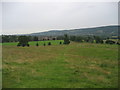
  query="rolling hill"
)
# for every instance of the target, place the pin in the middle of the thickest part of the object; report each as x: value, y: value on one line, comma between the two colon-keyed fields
x: 99, y: 31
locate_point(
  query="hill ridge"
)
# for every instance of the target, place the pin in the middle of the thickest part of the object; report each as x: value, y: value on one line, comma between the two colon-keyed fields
x: 99, y: 31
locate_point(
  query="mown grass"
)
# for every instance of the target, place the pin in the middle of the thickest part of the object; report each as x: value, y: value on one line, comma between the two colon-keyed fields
x: 78, y: 65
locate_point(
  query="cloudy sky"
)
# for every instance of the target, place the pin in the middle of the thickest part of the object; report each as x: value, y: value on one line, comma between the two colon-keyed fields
x: 29, y: 17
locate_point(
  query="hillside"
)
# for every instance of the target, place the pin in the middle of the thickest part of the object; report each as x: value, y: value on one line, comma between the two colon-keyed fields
x: 99, y: 31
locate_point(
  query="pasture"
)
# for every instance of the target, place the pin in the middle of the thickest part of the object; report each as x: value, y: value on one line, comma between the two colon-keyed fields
x: 77, y: 65
x: 54, y: 42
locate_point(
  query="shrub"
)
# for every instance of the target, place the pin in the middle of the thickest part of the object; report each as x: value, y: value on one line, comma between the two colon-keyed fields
x: 18, y: 45
x: 37, y: 44
x: 118, y: 43
x: 110, y: 42
x: 101, y: 41
x: 35, y: 38
x: 23, y: 45
x: 78, y: 39
x: 49, y: 43
x: 44, y: 44
x: 60, y: 43
x: 98, y: 39
x: 53, y: 38
x: 28, y: 45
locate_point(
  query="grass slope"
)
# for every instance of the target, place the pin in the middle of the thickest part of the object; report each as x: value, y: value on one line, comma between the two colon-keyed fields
x: 78, y: 65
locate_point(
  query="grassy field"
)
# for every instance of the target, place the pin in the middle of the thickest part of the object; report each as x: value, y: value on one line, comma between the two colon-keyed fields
x: 78, y: 65
x: 53, y: 42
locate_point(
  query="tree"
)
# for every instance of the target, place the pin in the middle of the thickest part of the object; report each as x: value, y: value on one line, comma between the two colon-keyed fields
x: 53, y: 38
x: 37, y: 44
x: 44, y: 44
x: 98, y: 39
x: 66, y: 39
x: 60, y: 43
x: 60, y: 37
x: 72, y: 38
x: 101, y: 41
x: 118, y: 43
x: 9, y: 38
x: 31, y: 38
x: 90, y: 39
x: 35, y: 38
x: 23, y: 40
x: 5, y: 38
x: 110, y: 42
x: 23, y: 45
x: 78, y: 39
x: 18, y: 44
x: 49, y: 43
x: 86, y: 39
x: 28, y: 45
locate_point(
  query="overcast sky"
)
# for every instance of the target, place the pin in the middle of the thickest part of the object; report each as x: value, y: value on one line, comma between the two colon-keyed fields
x: 29, y: 17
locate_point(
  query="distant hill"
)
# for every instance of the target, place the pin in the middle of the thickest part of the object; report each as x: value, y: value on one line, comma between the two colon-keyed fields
x: 99, y: 31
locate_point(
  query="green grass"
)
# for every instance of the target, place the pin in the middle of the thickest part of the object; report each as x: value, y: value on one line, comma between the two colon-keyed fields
x: 78, y: 65
x: 53, y: 42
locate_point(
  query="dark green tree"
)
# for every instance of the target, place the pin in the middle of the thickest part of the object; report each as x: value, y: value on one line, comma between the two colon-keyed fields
x: 53, y: 38
x: 5, y: 38
x: 28, y: 45
x: 90, y: 39
x: 49, y: 43
x: 60, y: 37
x: 66, y: 39
x: 60, y: 43
x: 37, y: 44
x: 18, y: 44
x: 72, y: 38
x: 98, y: 39
x: 110, y: 42
x: 44, y: 44
x: 35, y: 38
x: 23, y: 40
x: 78, y: 39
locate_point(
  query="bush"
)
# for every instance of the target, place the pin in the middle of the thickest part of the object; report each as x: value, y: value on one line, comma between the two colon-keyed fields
x: 18, y: 45
x: 78, y: 39
x: 110, y: 42
x: 60, y: 43
x: 28, y: 45
x: 44, y: 44
x: 49, y: 43
x: 53, y: 38
x: 23, y: 45
x: 37, y: 44
x: 35, y: 38
x: 98, y: 39
x: 89, y: 39
x: 118, y: 43
x: 101, y: 41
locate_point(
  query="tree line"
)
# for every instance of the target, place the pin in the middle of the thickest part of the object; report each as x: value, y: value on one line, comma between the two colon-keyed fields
x: 15, y: 38
x: 23, y: 40
x: 93, y: 39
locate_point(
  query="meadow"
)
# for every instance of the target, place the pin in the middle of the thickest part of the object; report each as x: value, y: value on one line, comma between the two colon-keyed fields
x: 77, y: 65
x: 54, y: 42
